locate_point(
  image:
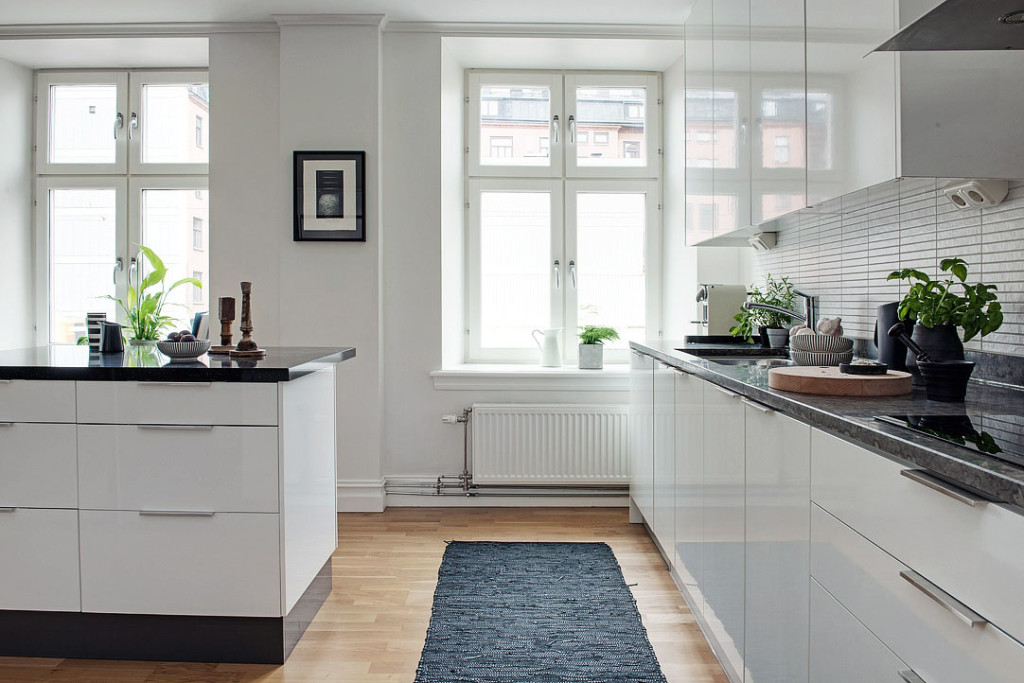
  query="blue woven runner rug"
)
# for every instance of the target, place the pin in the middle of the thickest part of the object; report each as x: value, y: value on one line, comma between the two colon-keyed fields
x: 534, y: 613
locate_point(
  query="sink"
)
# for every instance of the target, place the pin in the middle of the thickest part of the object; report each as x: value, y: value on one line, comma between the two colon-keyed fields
x: 749, y: 360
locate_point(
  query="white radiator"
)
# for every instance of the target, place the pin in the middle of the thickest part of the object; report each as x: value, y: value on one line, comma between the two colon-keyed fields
x: 550, y: 444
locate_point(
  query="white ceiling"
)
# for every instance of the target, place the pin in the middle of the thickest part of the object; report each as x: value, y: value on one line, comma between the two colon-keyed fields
x: 660, y: 12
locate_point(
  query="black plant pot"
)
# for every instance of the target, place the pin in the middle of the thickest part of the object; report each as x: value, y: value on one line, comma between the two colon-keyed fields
x: 941, y: 342
x: 946, y: 380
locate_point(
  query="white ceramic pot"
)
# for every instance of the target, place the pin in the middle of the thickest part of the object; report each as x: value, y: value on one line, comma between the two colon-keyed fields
x: 591, y: 356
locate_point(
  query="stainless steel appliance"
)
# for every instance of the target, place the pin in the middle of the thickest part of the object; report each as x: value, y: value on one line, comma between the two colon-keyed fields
x: 717, y: 305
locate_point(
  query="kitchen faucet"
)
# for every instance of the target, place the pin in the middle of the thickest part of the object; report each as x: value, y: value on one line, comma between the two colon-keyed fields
x: 807, y: 316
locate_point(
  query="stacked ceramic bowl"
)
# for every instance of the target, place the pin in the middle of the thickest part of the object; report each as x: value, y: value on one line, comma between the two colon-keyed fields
x: 183, y: 352
x: 820, y: 349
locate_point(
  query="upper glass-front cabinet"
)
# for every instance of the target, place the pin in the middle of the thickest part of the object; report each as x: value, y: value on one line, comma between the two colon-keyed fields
x: 534, y: 124
x: 138, y: 122
x: 731, y: 112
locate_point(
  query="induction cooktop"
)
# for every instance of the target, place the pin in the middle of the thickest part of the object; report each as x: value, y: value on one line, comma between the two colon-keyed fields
x: 1000, y: 436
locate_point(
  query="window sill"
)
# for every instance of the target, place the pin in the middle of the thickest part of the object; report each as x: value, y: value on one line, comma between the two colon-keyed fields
x: 485, y: 377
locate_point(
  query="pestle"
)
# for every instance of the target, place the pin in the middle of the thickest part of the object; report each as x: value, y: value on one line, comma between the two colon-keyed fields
x: 900, y: 332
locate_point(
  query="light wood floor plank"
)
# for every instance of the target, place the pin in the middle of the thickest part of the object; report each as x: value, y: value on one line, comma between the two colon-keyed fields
x: 372, y: 627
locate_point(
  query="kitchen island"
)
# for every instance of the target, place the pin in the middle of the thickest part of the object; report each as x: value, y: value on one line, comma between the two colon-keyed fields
x: 169, y: 511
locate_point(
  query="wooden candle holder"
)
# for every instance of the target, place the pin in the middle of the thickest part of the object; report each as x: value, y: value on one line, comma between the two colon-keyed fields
x: 247, y: 347
x: 226, y: 313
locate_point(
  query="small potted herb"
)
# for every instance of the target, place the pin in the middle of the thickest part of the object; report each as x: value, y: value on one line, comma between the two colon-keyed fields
x: 592, y: 340
x: 769, y: 325
x: 939, y: 307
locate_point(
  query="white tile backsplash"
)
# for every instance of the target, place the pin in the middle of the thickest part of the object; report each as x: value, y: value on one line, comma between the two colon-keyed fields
x: 842, y: 251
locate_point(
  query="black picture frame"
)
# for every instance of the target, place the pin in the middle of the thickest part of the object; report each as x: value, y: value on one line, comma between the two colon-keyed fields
x: 329, y: 196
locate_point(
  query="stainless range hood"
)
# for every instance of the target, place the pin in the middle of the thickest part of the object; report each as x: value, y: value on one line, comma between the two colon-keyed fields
x: 964, y: 25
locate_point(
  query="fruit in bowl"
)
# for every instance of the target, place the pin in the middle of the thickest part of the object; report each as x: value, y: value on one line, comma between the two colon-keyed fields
x: 183, y: 346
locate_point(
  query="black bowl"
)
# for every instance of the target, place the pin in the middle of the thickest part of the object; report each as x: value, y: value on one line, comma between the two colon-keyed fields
x: 946, y: 380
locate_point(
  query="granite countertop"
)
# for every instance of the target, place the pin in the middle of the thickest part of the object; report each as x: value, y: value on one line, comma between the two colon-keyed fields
x: 61, y: 362
x: 853, y: 418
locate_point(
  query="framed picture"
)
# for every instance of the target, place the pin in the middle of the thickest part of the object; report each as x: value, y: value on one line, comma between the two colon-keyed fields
x: 330, y: 198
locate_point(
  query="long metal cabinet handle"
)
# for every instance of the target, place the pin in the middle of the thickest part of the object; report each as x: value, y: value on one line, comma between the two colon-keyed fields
x: 730, y: 394
x: 176, y: 513
x: 175, y: 384
x: 936, y: 484
x: 954, y: 606
x: 910, y: 676
x: 757, y: 406
x: 179, y: 428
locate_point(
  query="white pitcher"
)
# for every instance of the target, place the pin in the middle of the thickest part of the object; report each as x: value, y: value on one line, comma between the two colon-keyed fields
x: 550, y: 356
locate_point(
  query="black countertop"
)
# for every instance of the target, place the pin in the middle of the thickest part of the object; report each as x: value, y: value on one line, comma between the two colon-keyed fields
x: 146, y: 363
x: 853, y: 418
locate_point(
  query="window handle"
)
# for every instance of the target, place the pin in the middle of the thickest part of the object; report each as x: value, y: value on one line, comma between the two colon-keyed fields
x: 133, y: 123
x: 133, y: 270
x: 572, y: 129
x: 118, y: 123
x: 572, y: 273
x: 118, y: 267
x: 558, y: 274
x: 555, y: 125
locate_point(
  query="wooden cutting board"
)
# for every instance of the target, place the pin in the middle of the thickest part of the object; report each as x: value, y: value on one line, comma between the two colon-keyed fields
x: 830, y: 382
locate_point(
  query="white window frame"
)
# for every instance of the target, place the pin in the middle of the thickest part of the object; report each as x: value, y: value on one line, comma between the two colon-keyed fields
x: 136, y: 82
x: 651, y: 168
x: 42, y: 239
x: 477, y: 186
x: 45, y: 80
x: 652, y: 250
x: 474, y: 81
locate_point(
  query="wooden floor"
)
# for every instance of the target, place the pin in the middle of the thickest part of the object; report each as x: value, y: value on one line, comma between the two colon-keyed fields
x: 372, y: 627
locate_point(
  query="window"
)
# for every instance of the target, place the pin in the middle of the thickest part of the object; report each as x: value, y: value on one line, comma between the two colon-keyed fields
x: 782, y: 150
x: 101, y: 194
x: 199, y: 131
x: 197, y: 292
x: 566, y: 242
x: 501, y: 147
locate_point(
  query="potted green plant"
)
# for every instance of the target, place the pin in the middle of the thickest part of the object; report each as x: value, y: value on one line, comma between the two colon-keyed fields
x: 770, y: 326
x: 939, y: 307
x: 144, y: 309
x: 592, y: 340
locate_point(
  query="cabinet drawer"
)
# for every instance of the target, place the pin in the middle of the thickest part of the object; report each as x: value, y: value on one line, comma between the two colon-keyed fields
x: 38, y: 467
x: 842, y: 650
x: 224, y: 564
x: 182, y: 403
x: 932, y: 639
x: 39, y: 560
x: 973, y: 552
x: 37, y: 401
x: 162, y: 467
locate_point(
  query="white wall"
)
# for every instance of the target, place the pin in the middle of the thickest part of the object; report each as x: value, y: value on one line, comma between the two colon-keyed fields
x: 18, y: 303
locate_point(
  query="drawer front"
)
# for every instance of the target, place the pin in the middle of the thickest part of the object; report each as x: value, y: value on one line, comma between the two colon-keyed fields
x: 161, y: 467
x: 39, y: 560
x: 38, y: 467
x: 932, y: 639
x: 37, y: 401
x: 182, y: 403
x: 842, y: 650
x: 225, y: 564
x: 972, y: 552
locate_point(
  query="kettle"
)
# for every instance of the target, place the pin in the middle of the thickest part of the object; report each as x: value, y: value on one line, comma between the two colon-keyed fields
x: 550, y: 355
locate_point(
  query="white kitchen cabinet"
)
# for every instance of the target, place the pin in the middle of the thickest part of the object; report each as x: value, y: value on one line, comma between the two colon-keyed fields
x: 842, y: 650
x: 724, y: 525
x: 39, y: 560
x: 973, y: 552
x: 215, y: 564
x: 178, y: 467
x: 641, y: 434
x: 37, y: 401
x: 777, y: 552
x: 178, y: 403
x: 703, y: 207
x: 689, y: 487
x: 664, y: 458
x: 934, y: 641
x: 37, y: 465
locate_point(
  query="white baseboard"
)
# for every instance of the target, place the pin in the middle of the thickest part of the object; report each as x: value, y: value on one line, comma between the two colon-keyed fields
x: 496, y: 501
x: 361, y: 495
